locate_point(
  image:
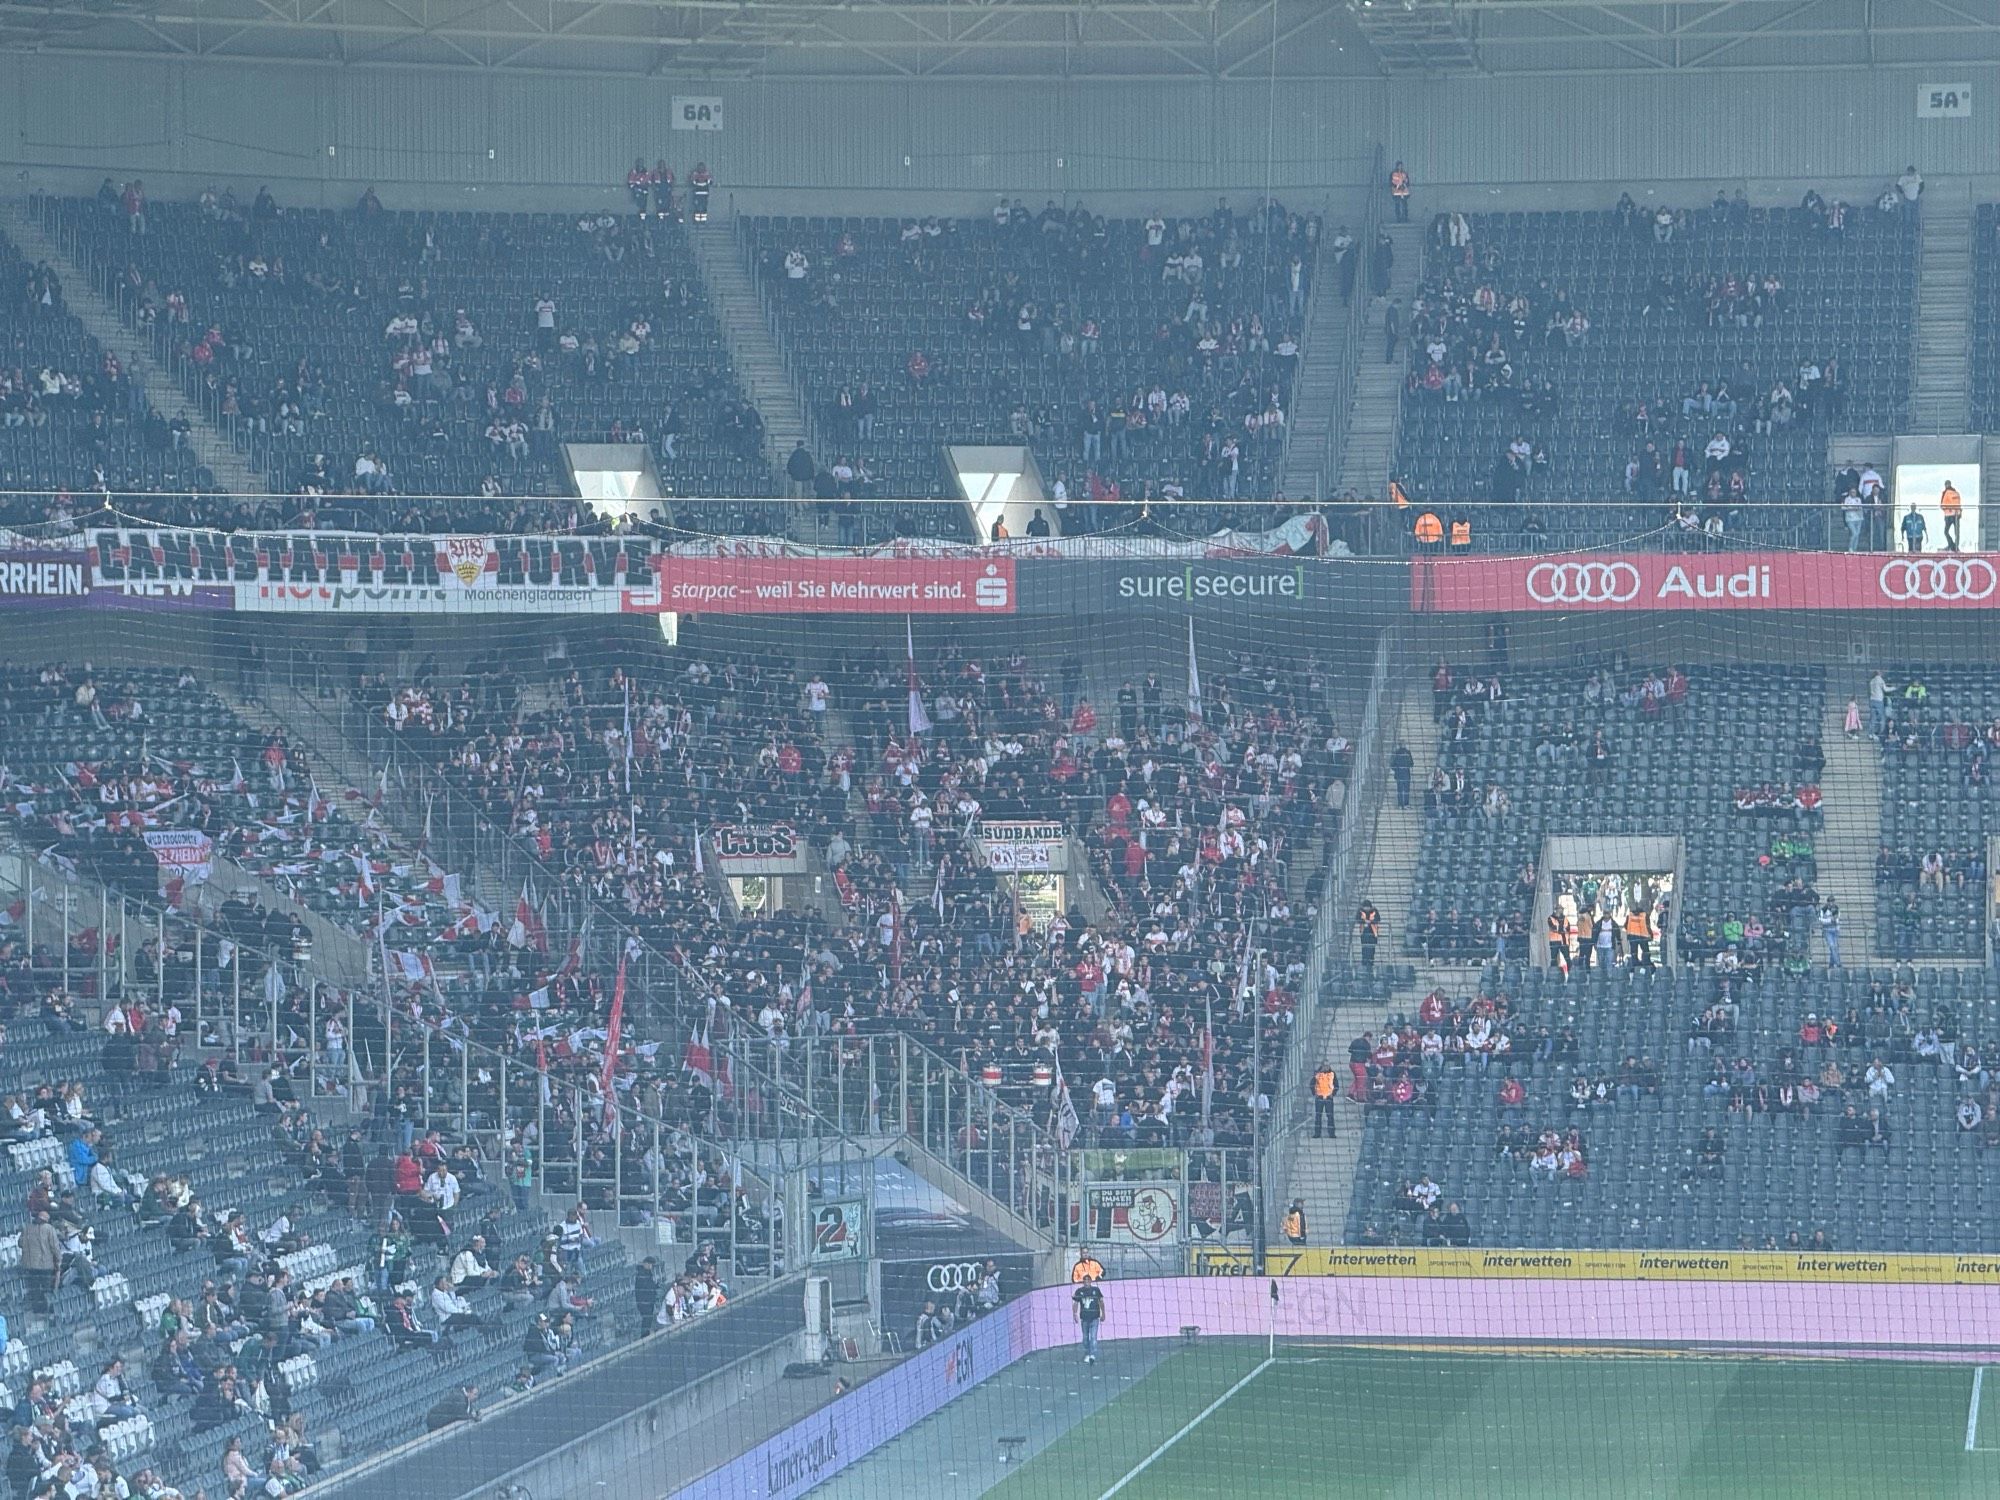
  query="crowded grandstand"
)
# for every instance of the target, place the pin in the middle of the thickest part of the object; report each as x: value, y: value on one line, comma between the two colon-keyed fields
x: 690, y: 784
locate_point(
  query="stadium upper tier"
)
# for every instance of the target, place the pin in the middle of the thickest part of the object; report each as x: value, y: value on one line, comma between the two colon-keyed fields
x: 435, y: 354
x: 71, y: 417
x: 1986, y: 317
x: 1143, y: 359
x: 1575, y: 371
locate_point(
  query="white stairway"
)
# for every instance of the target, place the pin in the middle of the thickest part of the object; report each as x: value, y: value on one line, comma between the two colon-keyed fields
x: 1942, y: 366
x: 753, y: 349
x: 1322, y: 352
x: 1851, y: 792
x: 1378, y: 384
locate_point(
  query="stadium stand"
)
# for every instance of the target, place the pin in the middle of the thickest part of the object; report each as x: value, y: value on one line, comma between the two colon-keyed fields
x: 373, y: 353
x: 72, y: 422
x: 1941, y: 725
x: 1986, y: 317
x: 1191, y: 838
x: 1142, y: 360
x: 1686, y: 1111
x: 1534, y: 335
x: 238, y: 1269
x: 1725, y: 758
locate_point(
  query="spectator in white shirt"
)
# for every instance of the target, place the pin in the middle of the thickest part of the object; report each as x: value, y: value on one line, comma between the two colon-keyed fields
x: 1880, y: 1078
x: 469, y: 1269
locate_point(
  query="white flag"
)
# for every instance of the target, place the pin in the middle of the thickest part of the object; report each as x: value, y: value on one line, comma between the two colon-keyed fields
x: 1194, y: 678
x: 1066, y: 1122
x: 920, y: 722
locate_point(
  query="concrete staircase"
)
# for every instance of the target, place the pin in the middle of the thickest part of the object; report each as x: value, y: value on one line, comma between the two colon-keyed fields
x: 753, y: 349
x: 99, y: 317
x: 1845, y: 848
x: 1399, y: 831
x: 1378, y: 386
x: 1322, y: 1171
x: 1319, y: 391
x: 1943, y: 356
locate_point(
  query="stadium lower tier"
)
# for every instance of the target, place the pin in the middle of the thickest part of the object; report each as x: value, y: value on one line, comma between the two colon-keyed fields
x: 1851, y: 1110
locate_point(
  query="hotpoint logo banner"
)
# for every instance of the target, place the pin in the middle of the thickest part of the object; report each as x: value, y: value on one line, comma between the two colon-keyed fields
x: 1593, y: 582
x: 337, y: 573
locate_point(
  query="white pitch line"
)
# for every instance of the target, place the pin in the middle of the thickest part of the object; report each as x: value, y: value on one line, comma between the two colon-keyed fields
x: 1206, y: 1412
x: 1972, y: 1410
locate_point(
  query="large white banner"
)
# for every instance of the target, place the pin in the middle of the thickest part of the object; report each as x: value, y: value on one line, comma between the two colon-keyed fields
x: 185, y: 854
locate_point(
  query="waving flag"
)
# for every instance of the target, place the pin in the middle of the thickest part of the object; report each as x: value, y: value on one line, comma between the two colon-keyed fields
x: 920, y: 722
x: 698, y: 1057
x: 608, y: 1087
x: 1194, y: 678
x: 1065, y: 1120
x: 527, y: 930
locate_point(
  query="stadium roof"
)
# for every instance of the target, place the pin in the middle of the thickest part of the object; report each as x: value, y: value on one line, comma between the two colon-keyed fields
x: 688, y: 40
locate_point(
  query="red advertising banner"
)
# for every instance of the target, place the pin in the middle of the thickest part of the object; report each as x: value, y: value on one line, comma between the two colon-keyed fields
x: 1586, y: 582
x: 837, y: 586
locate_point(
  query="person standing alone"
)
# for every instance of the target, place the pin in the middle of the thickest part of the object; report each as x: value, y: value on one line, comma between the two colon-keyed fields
x: 1088, y: 1299
x: 1323, y: 1086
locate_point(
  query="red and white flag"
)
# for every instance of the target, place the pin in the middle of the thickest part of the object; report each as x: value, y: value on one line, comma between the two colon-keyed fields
x: 527, y: 930
x: 698, y: 1057
x: 364, y: 881
x: 608, y: 1087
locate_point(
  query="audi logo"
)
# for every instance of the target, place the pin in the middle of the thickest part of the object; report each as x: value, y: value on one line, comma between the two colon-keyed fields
x: 1583, y: 583
x: 1937, y: 580
x: 952, y: 1276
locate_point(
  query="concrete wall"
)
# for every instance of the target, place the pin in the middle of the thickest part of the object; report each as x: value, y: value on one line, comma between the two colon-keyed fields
x: 467, y: 138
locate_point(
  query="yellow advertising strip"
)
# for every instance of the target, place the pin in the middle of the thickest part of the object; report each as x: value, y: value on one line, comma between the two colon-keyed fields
x: 1608, y: 1265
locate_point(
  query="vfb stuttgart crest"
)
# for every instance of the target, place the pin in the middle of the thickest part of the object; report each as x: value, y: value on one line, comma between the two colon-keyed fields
x: 467, y: 557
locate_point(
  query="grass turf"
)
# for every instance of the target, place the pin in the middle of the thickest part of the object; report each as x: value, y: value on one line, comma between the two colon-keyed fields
x: 1420, y: 1426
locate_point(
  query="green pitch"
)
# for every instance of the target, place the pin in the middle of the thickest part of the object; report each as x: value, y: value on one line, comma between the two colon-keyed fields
x: 1416, y: 1426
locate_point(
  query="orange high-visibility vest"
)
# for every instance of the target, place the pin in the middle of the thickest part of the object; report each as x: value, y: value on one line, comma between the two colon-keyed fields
x: 1323, y: 1084
x: 1461, y: 533
x: 1429, y: 529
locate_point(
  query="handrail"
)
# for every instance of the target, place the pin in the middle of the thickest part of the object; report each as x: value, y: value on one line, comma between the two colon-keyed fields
x: 489, y: 845
x: 1357, y: 330
x: 1331, y: 930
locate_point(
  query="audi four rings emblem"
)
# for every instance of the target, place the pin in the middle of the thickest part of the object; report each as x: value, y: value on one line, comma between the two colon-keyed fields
x: 1938, y: 580
x: 952, y: 1276
x: 1583, y: 583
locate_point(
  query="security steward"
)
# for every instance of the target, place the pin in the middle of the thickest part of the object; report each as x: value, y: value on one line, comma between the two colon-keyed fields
x: 1087, y: 1268
x: 1639, y: 937
x: 1323, y: 1091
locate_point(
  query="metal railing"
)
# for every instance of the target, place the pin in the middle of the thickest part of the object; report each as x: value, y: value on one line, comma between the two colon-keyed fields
x: 1357, y: 330
x: 418, y: 791
x: 1346, y: 875
x: 410, y: 1072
